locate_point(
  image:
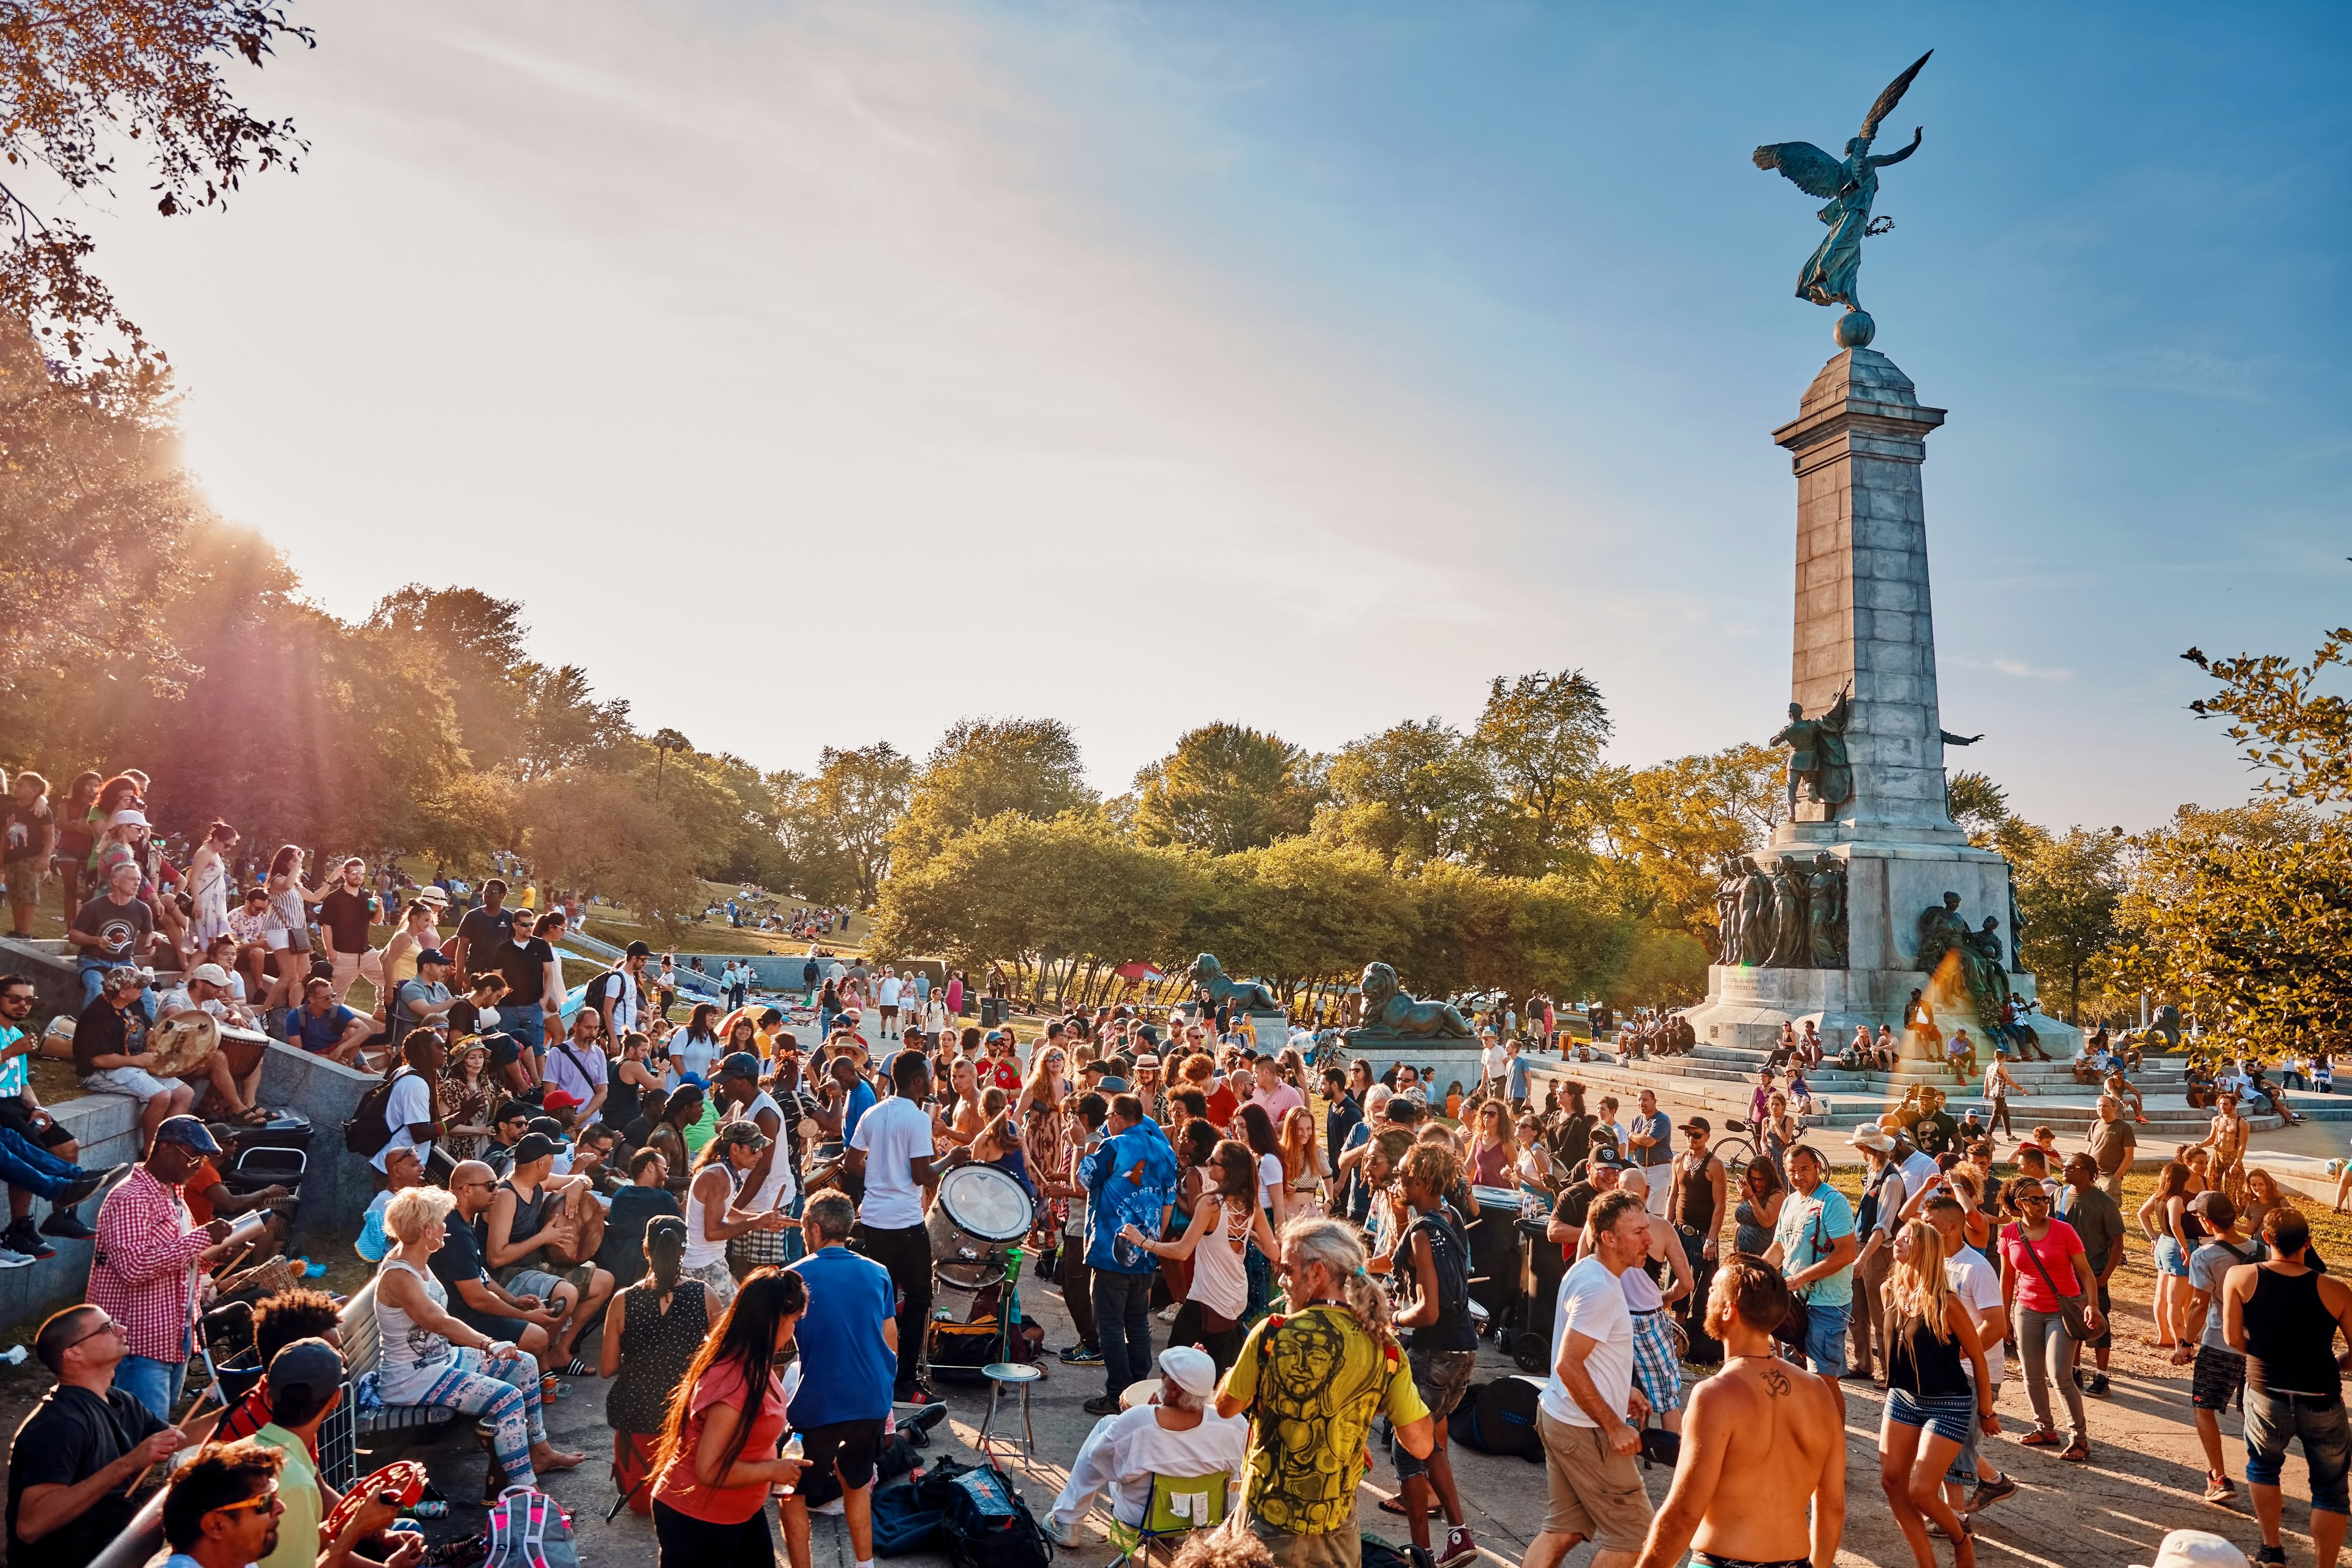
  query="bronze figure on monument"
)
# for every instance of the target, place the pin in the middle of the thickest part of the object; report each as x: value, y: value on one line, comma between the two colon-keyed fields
x: 1817, y: 753
x: 1791, y: 942
x: 1825, y: 912
x: 1756, y: 914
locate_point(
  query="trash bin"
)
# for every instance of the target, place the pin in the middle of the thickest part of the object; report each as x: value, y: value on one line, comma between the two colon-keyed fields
x: 992, y: 1012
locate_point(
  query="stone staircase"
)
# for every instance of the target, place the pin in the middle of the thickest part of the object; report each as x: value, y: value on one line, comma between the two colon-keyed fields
x: 1719, y: 1082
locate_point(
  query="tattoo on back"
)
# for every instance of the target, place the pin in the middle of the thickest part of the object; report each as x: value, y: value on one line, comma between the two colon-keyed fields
x: 1775, y: 1382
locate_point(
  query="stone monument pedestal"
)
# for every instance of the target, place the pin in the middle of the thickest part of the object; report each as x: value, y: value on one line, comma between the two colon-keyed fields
x: 1865, y: 626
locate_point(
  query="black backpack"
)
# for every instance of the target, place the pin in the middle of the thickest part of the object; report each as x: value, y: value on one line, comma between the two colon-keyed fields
x: 973, y: 1512
x: 369, y: 1129
x: 1500, y: 1418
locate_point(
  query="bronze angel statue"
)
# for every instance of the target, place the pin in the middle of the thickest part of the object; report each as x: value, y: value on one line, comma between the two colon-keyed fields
x: 1850, y: 186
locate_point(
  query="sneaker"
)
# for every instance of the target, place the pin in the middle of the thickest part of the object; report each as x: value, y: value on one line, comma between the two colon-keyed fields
x: 1990, y: 1492
x: 1065, y: 1536
x: 1168, y: 1313
x: 2219, y: 1491
x: 832, y: 1505
x: 1082, y: 1355
x: 1460, y: 1547
x: 2097, y: 1386
x: 20, y: 1237
x: 2270, y: 1554
x: 10, y: 1258
x: 1101, y: 1404
x: 68, y: 1225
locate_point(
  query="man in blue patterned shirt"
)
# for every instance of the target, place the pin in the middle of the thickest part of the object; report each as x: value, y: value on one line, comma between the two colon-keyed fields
x: 1130, y: 1179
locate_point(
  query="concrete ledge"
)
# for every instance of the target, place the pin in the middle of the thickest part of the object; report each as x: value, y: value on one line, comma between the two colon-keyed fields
x: 107, y: 1128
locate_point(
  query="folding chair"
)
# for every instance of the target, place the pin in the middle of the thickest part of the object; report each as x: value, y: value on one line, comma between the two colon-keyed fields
x: 1179, y: 1505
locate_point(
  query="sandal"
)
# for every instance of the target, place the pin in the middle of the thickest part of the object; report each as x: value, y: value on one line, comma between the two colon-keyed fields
x: 580, y: 1367
x: 2043, y: 1440
x: 253, y: 1116
x: 1396, y: 1505
x: 2077, y: 1453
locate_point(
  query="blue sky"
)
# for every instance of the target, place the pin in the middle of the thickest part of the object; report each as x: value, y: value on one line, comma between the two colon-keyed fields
x: 1303, y: 364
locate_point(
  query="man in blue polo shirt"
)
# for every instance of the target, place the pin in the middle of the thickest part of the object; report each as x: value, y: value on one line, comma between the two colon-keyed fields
x: 850, y: 1330
x: 325, y: 1028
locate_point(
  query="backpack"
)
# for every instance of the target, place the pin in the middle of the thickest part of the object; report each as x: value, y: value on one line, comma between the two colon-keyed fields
x: 1500, y: 1418
x: 971, y: 1512
x: 600, y: 988
x: 370, y: 1128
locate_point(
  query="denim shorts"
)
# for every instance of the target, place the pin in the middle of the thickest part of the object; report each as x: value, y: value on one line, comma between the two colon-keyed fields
x: 1951, y: 1415
x: 2169, y: 1257
x: 2274, y: 1419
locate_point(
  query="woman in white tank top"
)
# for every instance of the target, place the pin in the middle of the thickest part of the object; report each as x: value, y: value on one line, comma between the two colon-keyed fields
x: 713, y: 1216
x: 1224, y: 1222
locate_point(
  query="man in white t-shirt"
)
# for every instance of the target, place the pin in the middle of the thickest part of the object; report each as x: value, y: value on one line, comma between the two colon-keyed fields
x: 886, y: 996
x: 891, y: 1152
x: 1976, y: 1283
x: 1589, y: 1404
x: 409, y: 1112
x: 1492, y: 1060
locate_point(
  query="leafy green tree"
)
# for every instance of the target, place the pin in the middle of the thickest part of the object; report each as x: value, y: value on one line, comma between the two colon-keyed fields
x: 2300, y: 736
x: 602, y: 831
x: 982, y: 768
x: 1416, y: 791
x: 2068, y: 893
x: 480, y: 641
x: 561, y: 723
x: 1541, y: 736
x: 836, y: 825
x: 1225, y: 787
x: 1669, y: 828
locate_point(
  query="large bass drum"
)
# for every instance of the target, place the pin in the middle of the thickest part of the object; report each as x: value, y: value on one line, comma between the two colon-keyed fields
x: 980, y: 1212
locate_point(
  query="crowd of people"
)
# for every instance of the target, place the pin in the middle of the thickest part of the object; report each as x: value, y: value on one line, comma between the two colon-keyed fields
x: 587, y: 1187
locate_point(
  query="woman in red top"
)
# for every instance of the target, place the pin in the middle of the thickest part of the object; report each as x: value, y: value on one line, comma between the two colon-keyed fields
x: 718, y: 1458
x: 2043, y: 1261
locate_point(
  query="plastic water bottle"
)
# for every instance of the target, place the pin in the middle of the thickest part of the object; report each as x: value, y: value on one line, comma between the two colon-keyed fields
x: 13, y: 1355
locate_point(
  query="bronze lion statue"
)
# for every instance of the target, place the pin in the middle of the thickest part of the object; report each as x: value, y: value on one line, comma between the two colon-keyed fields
x: 1248, y: 995
x: 1388, y: 1011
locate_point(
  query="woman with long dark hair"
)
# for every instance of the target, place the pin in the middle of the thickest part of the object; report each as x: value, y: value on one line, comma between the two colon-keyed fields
x: 695, y: 1048
x: 652, y: 1331
x: 718, y: 1457
x: 1256, y: 1130
x: 1227, y: 1224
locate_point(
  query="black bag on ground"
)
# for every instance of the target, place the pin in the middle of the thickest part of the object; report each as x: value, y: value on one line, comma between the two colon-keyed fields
x: 1500, y: 1418
x: 971, y: 1512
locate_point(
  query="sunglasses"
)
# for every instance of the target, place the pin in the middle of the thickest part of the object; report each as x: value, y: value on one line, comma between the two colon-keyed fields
x: 108, y: 1326
x: 268, y: 1499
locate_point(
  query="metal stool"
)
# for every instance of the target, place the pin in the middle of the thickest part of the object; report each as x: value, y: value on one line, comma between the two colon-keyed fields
x: 999, y: 1373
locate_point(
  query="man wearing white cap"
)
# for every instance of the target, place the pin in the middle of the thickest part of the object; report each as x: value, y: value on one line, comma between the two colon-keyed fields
x: 1178, y: 1435
x: 2195, y: 1549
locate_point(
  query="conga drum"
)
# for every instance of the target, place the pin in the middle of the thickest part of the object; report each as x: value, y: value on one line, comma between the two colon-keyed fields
x: 179, y: 1046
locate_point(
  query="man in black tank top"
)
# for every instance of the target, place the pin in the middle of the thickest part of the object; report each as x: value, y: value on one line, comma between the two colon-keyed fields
x: 2284, y: 1316
x: 1699, y: 1206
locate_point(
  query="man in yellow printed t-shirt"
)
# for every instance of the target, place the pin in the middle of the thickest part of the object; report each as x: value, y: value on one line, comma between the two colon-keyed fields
x: 1310, y: 1382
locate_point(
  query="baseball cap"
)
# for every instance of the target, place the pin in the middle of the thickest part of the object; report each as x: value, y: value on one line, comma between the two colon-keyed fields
x: 188, y: 1131
x: 432, y: 956
x: 1606, y: 1156
x: 311, y: 1366
x: 2215, y: 1207
x: 739, y: 1064
x: 1190, y: 1370
x: 640, y: 950
x: 210, y: 973
x: 532, y: 1146
x: 746, y: 1134
x: 561, y: 1100
x: 1697, y: 1124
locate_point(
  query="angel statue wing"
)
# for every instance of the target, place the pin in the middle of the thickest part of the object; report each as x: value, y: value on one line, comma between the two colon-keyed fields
x: 1890, y: 98
x: 1806, y: 166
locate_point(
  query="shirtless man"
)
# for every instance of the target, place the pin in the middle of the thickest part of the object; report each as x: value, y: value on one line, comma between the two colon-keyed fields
x: 1763, y: 1441
x: 2227, y: 1138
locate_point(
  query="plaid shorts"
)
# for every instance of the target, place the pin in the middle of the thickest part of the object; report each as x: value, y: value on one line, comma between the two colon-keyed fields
x: 2219, y: 1373
x: 1656, y: 1370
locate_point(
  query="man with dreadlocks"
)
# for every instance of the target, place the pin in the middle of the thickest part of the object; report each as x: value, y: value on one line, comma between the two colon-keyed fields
x: 1311, y: 1378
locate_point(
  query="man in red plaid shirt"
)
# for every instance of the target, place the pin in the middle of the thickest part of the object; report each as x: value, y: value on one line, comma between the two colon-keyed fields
x: 145, y: 1274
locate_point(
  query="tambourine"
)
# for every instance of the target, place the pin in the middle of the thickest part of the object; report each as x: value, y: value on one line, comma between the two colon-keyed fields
x: 180, y: 1045
x: 404, y: 1478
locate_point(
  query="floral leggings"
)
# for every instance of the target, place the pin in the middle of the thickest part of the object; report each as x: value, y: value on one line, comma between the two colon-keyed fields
x: 506, y: 1394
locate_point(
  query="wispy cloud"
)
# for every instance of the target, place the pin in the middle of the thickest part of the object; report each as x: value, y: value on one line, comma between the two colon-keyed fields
x: 2185, y: 372
x: 2016, y: 667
